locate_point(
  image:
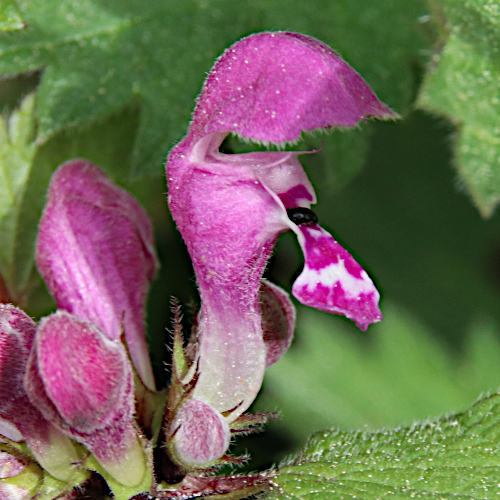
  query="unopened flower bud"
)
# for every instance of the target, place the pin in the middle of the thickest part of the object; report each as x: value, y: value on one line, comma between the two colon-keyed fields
x: 278, y: 320
x: 20, y: 419
x: 200, y: 435
x: 96, y: 253
x: 82, y: 383
x: 10, y: 464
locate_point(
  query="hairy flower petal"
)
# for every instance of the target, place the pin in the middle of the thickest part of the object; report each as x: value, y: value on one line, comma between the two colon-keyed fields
x: 229, y: 222
x: 96, y: 253
x: 82, y: 382
x: 272, y: 86
x: 231, y: 208
x: 20, y: 418
x: 333, y: 281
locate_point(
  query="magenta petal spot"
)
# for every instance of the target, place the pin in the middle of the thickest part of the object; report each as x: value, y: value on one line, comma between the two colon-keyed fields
x: 201, y: 434
x: 278, y: 320
x: 333, y: 281
x: 293, y: 197
x: 95, y: 251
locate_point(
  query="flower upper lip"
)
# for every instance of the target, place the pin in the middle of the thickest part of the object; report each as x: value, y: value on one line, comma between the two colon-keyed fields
x: 271, y: 86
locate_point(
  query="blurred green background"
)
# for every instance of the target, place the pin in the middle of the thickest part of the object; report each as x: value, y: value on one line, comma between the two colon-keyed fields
x: 436, y: 261
x: 388, y: 191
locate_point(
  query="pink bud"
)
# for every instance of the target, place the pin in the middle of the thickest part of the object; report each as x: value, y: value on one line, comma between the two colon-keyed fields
x: 19, y: 418
x: 11, y: 465
x: 95, y: 251
x: 13, y: 492
x: 278, y: 320
x: 82, y: 382
x: 200, y: 434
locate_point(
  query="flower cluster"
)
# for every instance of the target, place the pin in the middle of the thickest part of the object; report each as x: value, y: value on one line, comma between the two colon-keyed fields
x: 68, y: 379
x: 78, y: 387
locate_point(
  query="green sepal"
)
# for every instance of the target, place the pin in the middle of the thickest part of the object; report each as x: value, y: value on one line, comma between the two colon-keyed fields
x: 52, y: 488
x: 247, y: 423
x: 150, y: 406
x: 180, y: 365
x: 121, y: 492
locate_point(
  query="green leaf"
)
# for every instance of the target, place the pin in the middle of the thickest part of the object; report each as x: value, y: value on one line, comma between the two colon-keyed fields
x: 17, y: 151
x: 10, y: 17
x: 98, y: 56
x: 392, y: 375
x: 454, y: 457
x: 463, y: 86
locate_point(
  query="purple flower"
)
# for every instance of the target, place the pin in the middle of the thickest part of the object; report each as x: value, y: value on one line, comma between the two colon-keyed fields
x: 230, y: 208
x: 96, y: 253
x: 82, y: 382
x: 19, y: 418
x: 70, y: 376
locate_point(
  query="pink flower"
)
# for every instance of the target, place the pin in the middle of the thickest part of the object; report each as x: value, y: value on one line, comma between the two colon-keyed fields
x: 70, y: 376
x: 230, y: 208
x: 82, y: 383
x: 96, y: 253
x: 19, y: 418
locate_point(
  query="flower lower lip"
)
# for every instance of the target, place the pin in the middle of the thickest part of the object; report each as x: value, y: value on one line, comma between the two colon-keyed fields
x: 300, y: 215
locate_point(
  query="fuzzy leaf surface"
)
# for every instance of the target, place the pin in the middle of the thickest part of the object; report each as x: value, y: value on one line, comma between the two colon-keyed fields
x: 454, y: 457
x: 463, y: 86
x: 17, y: 152
x: 10, y: 16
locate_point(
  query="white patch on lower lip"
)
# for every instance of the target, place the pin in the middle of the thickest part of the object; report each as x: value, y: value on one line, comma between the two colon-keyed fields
x: 317, y: 233
x: 335, y: 273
